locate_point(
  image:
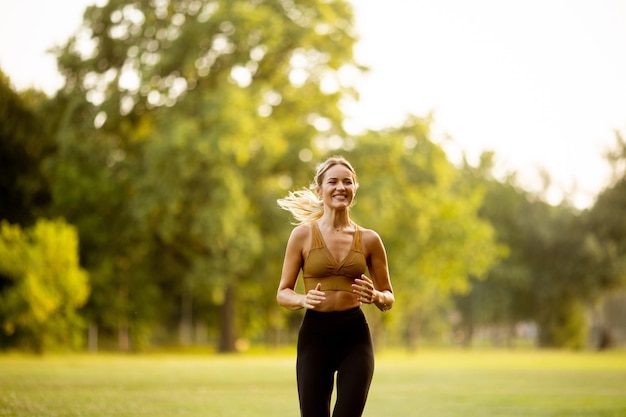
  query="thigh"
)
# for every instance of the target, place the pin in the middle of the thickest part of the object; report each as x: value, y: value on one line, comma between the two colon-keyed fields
x: 315, y: 373
x: 354, y: 376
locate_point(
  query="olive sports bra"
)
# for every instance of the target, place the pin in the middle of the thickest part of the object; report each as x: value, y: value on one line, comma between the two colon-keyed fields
x: 321, y: 266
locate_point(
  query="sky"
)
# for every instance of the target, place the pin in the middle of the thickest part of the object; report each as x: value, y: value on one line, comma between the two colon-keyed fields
x: 538, y: 82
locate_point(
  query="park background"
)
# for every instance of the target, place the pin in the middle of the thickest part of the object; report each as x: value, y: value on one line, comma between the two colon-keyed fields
x: 139, y: 198
x: 141, y: 243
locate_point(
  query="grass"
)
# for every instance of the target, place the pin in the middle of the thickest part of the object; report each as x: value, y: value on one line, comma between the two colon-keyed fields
x: 429, y: 383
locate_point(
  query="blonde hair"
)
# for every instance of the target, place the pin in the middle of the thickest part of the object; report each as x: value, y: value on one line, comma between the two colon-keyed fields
x: 304, y: 205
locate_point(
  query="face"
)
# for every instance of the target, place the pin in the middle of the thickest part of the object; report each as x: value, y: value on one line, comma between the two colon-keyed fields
x: 338, y: 187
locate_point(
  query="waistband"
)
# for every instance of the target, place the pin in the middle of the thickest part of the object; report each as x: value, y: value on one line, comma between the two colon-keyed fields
x: 334, y: 315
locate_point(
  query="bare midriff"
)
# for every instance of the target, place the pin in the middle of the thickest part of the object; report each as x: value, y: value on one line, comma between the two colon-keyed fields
x: 338, y: 301
x: 328, y: 283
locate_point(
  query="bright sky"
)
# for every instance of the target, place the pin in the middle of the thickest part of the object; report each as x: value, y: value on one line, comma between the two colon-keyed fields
x: 540, y: 82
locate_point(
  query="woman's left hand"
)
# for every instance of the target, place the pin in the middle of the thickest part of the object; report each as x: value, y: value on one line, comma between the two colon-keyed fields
x: 364, y: 288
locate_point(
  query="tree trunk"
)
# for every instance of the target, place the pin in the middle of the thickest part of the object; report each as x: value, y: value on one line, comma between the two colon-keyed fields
x: 93, y: 337
x: 123, y: 332
x: 227, y: 321
x: 186, y: 319
x: 123, y: 336
x: 413, y: 331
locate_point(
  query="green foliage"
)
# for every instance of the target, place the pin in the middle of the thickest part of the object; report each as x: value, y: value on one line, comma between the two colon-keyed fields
x: 563, y: 325
x: 177, y: 123
x: 23, y: 146
x: 47, y: 285
x: 427, y: 215
x: 607, y: 225
x: 555, y: 269
x: 504, y: 297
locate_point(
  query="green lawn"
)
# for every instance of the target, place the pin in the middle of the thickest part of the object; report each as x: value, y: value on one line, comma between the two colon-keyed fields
x: 429, y: 384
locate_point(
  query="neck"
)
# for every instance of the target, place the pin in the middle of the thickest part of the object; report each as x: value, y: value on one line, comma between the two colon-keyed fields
x: 336, y: 221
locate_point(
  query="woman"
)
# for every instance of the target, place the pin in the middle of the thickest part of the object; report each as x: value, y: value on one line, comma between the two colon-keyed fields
x: 333, y: 254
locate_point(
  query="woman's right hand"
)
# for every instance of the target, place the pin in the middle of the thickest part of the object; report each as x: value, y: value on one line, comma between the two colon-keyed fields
x: 314, y: 297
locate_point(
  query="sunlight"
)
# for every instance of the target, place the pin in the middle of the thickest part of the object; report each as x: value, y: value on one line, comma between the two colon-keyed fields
x: 547, y: 98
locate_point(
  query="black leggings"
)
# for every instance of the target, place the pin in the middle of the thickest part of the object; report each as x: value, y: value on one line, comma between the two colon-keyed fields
x: 328, y: 343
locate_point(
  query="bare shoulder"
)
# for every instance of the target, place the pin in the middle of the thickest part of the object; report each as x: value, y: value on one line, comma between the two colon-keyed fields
x: 300, y: 235
x: 371, y: 239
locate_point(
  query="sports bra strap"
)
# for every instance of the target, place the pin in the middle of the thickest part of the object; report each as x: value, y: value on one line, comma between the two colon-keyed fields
x: 317, y: 241
x: 356, y: 244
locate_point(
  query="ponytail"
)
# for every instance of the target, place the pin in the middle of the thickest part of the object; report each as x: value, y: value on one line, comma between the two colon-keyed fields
x: 303, y: 205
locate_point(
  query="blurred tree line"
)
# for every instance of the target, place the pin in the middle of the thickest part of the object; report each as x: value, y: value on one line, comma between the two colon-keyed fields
x: 159, y: 162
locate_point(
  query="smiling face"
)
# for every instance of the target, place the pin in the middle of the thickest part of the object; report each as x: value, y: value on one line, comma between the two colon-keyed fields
x: 338, y: 187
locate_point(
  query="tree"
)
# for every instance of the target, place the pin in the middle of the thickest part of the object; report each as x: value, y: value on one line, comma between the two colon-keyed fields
x: 48, y: 286
x: 606, y: 224
x: 553, y: 272
x: 558, y: 257
x: 24, y: 145
x: 427, y: 216
x: 193, y: 111
x: 607, y: 235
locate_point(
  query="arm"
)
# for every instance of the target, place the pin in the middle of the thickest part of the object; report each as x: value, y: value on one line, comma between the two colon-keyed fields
x: 286, y: 295
x: 378, y: 289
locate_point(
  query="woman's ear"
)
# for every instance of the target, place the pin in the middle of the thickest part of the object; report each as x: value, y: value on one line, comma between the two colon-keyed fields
x: 318, y: 191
